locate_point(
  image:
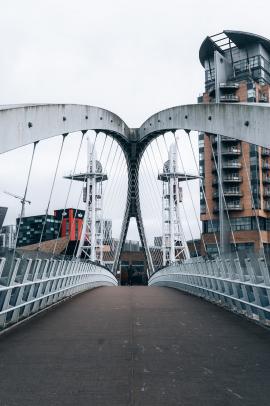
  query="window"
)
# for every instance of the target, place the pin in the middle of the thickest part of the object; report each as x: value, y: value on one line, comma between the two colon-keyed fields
x: 241, y: 223
x: 244, y: 246
x: 67, y: 228
x: 211, y: 249
x: 201, y: 143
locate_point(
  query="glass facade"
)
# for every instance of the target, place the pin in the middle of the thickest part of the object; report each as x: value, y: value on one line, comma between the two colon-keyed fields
x: 31, y: 229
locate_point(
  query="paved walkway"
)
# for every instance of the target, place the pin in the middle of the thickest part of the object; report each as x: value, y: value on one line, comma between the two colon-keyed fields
x: 135, y: 346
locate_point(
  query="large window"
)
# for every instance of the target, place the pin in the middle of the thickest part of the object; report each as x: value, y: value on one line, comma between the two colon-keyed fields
x: 239, y: 224
x: 244, y: 246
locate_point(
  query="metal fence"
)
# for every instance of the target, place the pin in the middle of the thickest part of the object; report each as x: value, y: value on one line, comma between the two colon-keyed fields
x: 29, y: 285
x: 243, y: 287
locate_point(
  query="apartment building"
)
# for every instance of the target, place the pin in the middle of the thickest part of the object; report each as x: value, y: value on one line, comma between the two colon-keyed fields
x: 237, y: 69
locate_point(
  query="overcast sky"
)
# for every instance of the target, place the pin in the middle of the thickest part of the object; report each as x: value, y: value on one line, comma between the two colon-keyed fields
x: 131, y: 57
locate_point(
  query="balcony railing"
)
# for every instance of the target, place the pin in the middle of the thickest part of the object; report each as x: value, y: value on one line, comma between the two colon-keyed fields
x: 229, y: 98
x: 229, y: 179
x: 263, y: 98
x: 230, y: 206
x: 265, y: 165
x: 229, y: 193
x: 229, y: 85
x: 266, y: 179
x: 267, y: 206
x: 232, y: 178
x: 265, y: 152
x: 234, y: 206
x: 231, y: 151
x: 231, y: 165
x: 224, y: 139
x: 266, y: 192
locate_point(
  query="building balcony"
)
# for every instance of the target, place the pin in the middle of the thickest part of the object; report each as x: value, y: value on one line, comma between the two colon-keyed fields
x: 266, y: 206
x: 235, y: 206
x: 233, y: 178
x: 231, y: 151
x: 229, y: 193
x: 231, y: 207
x: 229, y: 179
x: 263, y: 98
x: 266, y: 179
x: 225, y: 139
x: 229, y: 86
x: 228, y: 139
x: 231, y: 165
x: 230, y: 98
x: 265, y: 165
x: 265, y: 151
x: 203, y: 209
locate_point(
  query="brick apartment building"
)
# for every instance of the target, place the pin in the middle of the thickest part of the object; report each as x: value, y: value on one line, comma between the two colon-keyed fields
x: 237, y: 69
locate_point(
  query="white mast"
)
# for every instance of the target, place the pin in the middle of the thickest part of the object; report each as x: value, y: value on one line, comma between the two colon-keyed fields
x: 91, y: 240
x: 174, y: 246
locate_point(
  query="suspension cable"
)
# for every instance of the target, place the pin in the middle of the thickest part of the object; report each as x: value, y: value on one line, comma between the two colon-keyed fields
x: 203, y: 190
x: 77, y: 208
x: 51, y: 192
x: 186, y: 218
x: 115, y: 190
x: 224, y: 200
x: 167, y: 148
x: 193, y: 240
x: 187, y: 183
x: 253, y: 207
x: 78, y: 203
x: 23, y: 201
x: 152, y: 201
x: 69, y: 190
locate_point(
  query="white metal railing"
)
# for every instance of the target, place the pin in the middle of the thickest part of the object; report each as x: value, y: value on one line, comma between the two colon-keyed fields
x: 243, y: 287
x: 33, y: 284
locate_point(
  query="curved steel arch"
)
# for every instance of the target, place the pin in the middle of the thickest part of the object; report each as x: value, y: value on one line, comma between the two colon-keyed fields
x: 246, y: 122
x: 24, y: 124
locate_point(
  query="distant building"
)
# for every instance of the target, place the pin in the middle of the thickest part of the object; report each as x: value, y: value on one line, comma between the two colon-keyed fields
x: 3, y: 212
x: 237, y: 69
x: 7, y: 233
x: 31, y: 229
x: 133, y: 264
x: 8, y: 236
x: 72, y: 221
x: 194, y: 247
x: 65, y: 225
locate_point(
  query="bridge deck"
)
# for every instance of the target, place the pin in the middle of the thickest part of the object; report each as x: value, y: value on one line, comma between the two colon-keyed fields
x: 135, y: 346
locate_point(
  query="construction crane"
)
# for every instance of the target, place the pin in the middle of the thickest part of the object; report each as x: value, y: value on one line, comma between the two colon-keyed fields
x: 22, y: 199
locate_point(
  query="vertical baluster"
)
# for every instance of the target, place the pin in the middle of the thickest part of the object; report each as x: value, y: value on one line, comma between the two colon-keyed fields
x: 19, y: 301
x: 31, y: 296
x: 255, y: 289
x: 6, y: 303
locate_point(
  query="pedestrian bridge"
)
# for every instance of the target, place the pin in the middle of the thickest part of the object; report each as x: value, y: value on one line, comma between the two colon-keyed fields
x: 197, y: 335
x: 135, y: 346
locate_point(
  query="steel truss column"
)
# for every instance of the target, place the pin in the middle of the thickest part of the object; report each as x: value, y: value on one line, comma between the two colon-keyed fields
x: 133, y: 153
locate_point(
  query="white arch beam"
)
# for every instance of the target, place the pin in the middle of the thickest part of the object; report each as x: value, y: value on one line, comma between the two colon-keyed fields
x: 24, y: 124
x: 248, y: 122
